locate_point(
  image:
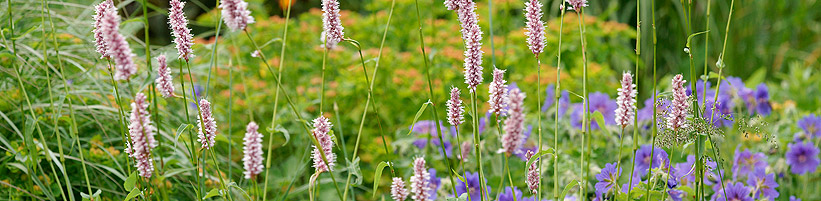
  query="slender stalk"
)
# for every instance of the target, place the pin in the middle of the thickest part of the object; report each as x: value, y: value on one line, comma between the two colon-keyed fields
x: 539, y: 114
x: 151, y: 92
x: 556, y: 97
x: 322, y: 86
x: 214, y: 57
x: 50, y: 100
x: 375, y: 105
x: 585, y: 121
x: 509, y: 178
x: 490, y: 29
x: 276, y: 100
x: 227, y: 193
x: 476, y: 143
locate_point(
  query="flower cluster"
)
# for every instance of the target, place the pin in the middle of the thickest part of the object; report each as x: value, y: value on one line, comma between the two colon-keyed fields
x: 514, y: 124
x: 429, y: 127
x: 142, y: 134
x: 626, y: 101
x: 99, y: 13
x: 116, y: 46
x: 398, y: 191
x: 498, y: 92
x: 534, y: 27
x: 472, y: 35
x: 532, y: 176
x: 208, y: 126
x: 252, y: 160
x: 598, y: 102
x: 179, y: 28
x: 420, y: 181
x: 321, y: 131
x: 331, y: 23
x: 455, y: 108
x: 576, y: 5
x: 235, y: 14
x: 164, y: 83
x: 679, y: 105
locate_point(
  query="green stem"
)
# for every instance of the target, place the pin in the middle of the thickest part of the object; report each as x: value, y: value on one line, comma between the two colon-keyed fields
x: 556, y: 97
x: 192, y: 150
x: 226, y: 194
x: 585, y: 120
x: 539, y: 114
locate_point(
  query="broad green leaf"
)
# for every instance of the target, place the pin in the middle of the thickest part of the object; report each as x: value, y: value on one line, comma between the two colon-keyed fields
x: 133, y: 194
x: 378, y: 175
x: 212, y: 193
x: 568, y: 187
x: 599, y: 119
x: 130, y: 181
x: 418, y: 113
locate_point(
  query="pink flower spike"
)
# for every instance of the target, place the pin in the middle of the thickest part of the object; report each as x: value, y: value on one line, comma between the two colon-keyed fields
x: 398, y: 191
x: 532, y: 179
x: 252, y: 161
x: 99, y: 14
x: 534, y: 27
x: 498, y: 92
x: 420, y: 181
x: 208, y: 126
x: 515, y: 123
x: 164, y: 81
x: 472, y: 35
x: 117, y: 46
x: 331, y: 23
x: 626, y: 101
x: 679, y: 106
x: 455, y: 108
x: 321, y: 131
x: 576, y: 5
x: 179, y: 28
x: 142, y: 133
x: 235, y: 14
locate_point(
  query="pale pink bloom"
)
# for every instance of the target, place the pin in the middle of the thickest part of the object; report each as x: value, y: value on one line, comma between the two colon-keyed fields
x: 498, y: 92
x: 99, y: 13
x: 255, y: 53
x: 164, y: 84
x: 398, y: 191
x: 679, y: 106
x: 455, y: 108
x: 179, y: 27
x: 532, y: 179
x: 142, y: 134
x: 252, y: 161
x: 515, y: 122
x: 576, y: 5
x: 420, y: 181
x: 117, y: 46
x: 466, y: 148
x: 322, y: 128
x: 235, y: 14
x: 626, y: 101
x: 208, y: 126
x: 472, y: 35
x: 534, y: 27
x: 331, y: 23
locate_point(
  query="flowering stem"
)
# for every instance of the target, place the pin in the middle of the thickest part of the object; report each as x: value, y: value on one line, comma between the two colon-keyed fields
x: 191, y: 148
x: 556, y: 97
x: 476, y: 143
x: 539, y: 114
x: 276, y: 100
x: 214, y: 57
x: 509, y: 178
x: 226, y: 194
x: 322, y: 86
x: 200, y: 164
x: 585, y: 121
x: 51, y: 103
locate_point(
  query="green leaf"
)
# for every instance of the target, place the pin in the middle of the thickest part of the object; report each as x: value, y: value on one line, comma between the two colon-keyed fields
x: 133, y: 194
x: 378, y: 175
x: 130, y: 181
x: 599, y: 119
x: 355, y: 171
x: 463, y: 197
x: 538, y: 155
x: 212, y: 193
x: 693, y: 35
x: 418, y: 113
x: 285, y: 134
x: 568, y: 187
x: 180, y: 130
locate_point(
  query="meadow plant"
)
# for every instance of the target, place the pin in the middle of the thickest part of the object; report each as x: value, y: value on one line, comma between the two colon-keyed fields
x: 164, y: 81
x: 207, y: 133
x: 142, y: 133
x: 252, y: 160
x: 398, y: 190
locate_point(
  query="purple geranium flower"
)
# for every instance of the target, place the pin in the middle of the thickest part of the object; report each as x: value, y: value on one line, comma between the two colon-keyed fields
x: 762, y: 100
x: 793, y: 198
x: 471, y: 187
x: 811, y: 124
x: 676, y: 195
x: 507, y: 195
x: 435, y: 183
x: 483, y: 122
x: 734, y: 192
x: 599, y: 102
x: 635, y: 182
x: 564, y: 102
x: 550, y: 94
x: 720, y: 114
x: 644, y: 160
x: 746, y: 162
x: 685, y: 172
x: 429, y: 127
x: 802, y: 157
x: 763, y: 185
x: 608, y: 178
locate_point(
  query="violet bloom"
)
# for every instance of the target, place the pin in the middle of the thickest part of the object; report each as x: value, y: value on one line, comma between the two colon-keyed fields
x: 142, y: 136
x: 514, y: 124
x: 576, y: 5
x: 483, y: 121
x: 508, y: 194
x: 719, y: 114
x: 626, y: 101
x: 99, y: 13
x: 762, y: 100
x: 498, y: 90
x: 532, y: 173
x: 179, y: 27
x: 646, y: 161
x: 429, y: 127
x: 564, y: 103
x: 608, y: 178
x: 763, y: 185
x: 321, y: 131
x: 522, y: 152
x: 455, y: 109
x: 435, y: 183
x: 793, y: 198
x: 534, y: 27
x: 420, y: 181
x: 164, y: 80
x: 676, y: 195
x: 811, y: 124
x: 472, y: 35
x: 117, y: 46
x: 735, y: 192
x: 549, y: 97
x: 471, y: 187
x: 598, y: 102
x: 235, y: 14
x: 398, y: 191
x: 802, y: 157
x: 208, y: 126
x: 679, y: 106
x: 746, y: 162
x: 252, y: 160
x: 331, y: 23
x: 632, y: 185
x: 733, y: 87
x: 700, y: 91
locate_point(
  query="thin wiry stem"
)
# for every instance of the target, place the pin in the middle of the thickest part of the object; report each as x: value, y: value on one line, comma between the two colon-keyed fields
x: 556, y: 97
x: 214, y: 57
x: 276, y: 100
x: 585, y: 121
x: 191, y: 148
x: 50, y: 101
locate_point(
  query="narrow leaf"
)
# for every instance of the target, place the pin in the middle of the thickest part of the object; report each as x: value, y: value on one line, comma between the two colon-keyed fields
x: 568, y: 187
x: 130, y: 181
x: 378, y: 175
x: 418, y: 113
